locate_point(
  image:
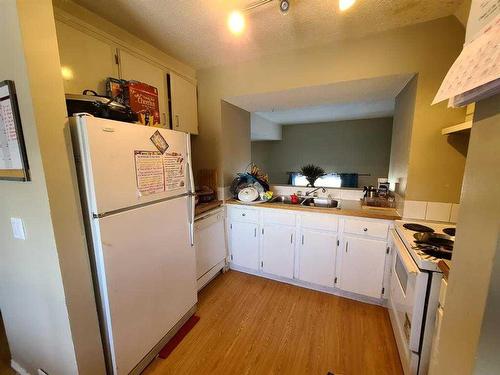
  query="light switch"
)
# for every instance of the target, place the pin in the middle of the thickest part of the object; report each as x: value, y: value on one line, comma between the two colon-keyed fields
x: 18, y: 228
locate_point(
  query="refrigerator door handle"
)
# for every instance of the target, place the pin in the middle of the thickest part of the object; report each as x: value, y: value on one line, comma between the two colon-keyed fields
x: 191, y: 191
x: 191, y: 204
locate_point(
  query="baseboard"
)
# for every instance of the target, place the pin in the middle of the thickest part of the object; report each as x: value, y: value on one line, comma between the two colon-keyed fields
x: 18, y: 368
x: 303, y: 284
x: 210, y: 275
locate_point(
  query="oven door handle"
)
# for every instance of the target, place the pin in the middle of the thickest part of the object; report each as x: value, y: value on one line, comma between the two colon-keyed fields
x: 406, y: 258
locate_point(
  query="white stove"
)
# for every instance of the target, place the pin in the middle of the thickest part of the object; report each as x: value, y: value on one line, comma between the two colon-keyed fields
x: 414, y: 288
x: 423, y: 260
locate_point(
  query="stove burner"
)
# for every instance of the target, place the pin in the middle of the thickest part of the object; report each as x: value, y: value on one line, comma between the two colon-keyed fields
x: 449, y: 231
x: 418, y: 228
x: 437, y: 252
x: 434, y: 239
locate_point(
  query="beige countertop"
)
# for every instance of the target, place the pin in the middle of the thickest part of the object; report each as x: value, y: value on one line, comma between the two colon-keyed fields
x: 348, y: 208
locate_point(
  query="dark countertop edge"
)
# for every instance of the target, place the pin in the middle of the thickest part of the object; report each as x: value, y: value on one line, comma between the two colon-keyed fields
x: 204, y: 208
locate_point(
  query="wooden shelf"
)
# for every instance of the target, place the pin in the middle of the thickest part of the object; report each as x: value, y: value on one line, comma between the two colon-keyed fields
x: 464, y: 126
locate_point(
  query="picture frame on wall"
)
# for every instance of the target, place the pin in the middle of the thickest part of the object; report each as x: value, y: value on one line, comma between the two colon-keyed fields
x: 13, y: 158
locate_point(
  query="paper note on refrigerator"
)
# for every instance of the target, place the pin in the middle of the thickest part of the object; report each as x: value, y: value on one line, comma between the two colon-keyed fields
x: 149, y: 172
x: 175, y: 170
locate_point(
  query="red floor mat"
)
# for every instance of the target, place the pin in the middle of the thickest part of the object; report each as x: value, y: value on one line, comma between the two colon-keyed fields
x: 176, y: 340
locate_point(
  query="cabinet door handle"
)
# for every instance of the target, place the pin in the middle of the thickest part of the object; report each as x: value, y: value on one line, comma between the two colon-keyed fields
x: 302, y: 239
x: 177, y: 121
x: 255, y: 232
x: 346, y: 246
x: 291, y: 238
x: 164, y: 118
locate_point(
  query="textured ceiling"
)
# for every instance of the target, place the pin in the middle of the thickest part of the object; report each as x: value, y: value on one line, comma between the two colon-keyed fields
x: 195, y: 31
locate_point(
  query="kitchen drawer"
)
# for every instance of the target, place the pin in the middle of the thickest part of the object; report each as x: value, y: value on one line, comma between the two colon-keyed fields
x: 366, y: 228
x: 320, y: 221
x: 243, y: 214
x: 278, y: 217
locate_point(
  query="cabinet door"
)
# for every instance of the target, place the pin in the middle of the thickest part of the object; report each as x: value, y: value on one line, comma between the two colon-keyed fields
x: 278, y: 250
x: 244, y: 244
x: 136, y: 69
x: 184, y: 104
x: 362, y: 267
x: 86, y: 61
x: 317, y: 257
x: 210, y: 243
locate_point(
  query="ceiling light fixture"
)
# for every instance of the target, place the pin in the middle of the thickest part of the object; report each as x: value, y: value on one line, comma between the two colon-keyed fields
x: 346, y: 4
x: 236, y: 22
x: 236, y: 19
x: 284, y: 6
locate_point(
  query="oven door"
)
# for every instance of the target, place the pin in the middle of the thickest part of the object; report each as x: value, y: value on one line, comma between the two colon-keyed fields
x: 408, y: 286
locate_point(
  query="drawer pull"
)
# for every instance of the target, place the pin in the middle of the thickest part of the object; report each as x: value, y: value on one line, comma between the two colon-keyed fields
x: 243, y: 214
x: 365, y: 229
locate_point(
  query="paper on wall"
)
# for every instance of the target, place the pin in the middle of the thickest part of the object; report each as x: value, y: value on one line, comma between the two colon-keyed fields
x: 477, y: 65
x: 482, y: 13
x: 10, y: 154
x: 149, y: 172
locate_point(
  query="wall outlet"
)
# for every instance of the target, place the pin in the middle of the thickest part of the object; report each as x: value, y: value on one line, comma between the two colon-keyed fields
x: 18, y: 228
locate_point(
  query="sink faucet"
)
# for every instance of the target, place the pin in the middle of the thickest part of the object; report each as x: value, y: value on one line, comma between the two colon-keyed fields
x: 312, y: 191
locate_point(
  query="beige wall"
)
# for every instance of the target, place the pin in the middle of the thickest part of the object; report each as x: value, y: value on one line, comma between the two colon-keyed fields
x: 401, y: 137
x: 46, y: 293
x: 428, y: 49
x: 355, y: 146
x: 237, y: 123
x: 475, y: 248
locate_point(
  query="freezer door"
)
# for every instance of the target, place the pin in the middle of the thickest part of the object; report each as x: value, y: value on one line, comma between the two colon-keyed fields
x: 147, y: 275
x: 107, y: 153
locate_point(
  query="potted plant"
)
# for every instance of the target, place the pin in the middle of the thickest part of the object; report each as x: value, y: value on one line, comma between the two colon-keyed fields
x: 312, y: 172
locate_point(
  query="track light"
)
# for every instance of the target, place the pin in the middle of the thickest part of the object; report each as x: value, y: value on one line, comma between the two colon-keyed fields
x: 284, y: 6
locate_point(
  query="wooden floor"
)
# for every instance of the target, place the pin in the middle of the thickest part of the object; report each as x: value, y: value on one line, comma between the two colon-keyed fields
x: 251, y: 325
x: 4, y: 352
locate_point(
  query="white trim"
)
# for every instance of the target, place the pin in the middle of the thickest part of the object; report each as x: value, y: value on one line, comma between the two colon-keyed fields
x: 330, y: 290
x: 211, y: 274
x: 18, y: 368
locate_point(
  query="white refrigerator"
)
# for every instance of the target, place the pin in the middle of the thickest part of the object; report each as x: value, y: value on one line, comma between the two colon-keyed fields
x: 140, y: 234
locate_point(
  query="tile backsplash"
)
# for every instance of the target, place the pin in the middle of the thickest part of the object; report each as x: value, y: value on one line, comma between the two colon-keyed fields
x: 435, y: 211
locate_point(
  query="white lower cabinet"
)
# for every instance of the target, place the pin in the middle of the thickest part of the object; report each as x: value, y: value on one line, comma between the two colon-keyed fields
x: 244, y: 244
x: 362, y: 266
x: 304, y: 247
x: 316, y: 253
x: 278, y: 250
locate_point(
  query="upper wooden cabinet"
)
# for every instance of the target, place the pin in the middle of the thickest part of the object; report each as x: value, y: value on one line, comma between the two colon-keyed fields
x: 183, y: 100
x: 86, y: 61
x: 134, y: 68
